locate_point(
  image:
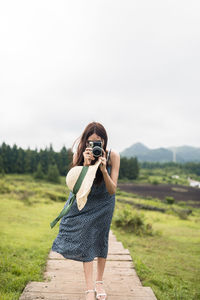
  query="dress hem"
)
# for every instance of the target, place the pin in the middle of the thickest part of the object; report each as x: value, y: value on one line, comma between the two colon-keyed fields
x: 77, y: 259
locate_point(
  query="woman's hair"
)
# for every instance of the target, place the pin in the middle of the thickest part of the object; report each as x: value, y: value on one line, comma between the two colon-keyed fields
x: 93, y: 127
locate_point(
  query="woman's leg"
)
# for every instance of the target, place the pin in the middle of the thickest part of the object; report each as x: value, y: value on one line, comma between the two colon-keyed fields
x: 100, y: 270
x: 88, y: 272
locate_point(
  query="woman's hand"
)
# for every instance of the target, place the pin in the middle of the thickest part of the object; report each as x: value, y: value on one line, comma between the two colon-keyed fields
x: 88, y: 156
x: 103, y: 162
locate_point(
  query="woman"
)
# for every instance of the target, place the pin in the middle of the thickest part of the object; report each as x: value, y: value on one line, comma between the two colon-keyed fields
x: 83, y: 235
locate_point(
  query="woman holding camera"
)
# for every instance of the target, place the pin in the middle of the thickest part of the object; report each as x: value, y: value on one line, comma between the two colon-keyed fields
x: 83, y: 235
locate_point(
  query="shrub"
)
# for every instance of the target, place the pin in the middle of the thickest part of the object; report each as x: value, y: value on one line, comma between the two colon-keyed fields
x: 4, y: 188
x: 183, y: 213
x: 56, y: 196
x: 169, y: 199
x: 132, y: 221
x: 155, y: 181
x: 2, y: 173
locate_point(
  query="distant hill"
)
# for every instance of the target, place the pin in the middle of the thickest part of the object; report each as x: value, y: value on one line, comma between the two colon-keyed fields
x: 188, y: 153
x: 143, y: 153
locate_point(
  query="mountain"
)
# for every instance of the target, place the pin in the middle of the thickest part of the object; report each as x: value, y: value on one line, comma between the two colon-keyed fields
x: 187, y: 153
x: 137, y: 148
x: 143, y: 153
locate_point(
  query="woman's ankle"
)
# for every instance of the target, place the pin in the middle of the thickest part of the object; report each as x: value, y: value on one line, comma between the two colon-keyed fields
x: 99, y: 279
x: 90, y: 286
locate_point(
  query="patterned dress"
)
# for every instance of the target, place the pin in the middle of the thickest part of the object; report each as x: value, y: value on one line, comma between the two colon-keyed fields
x: 83, y: 235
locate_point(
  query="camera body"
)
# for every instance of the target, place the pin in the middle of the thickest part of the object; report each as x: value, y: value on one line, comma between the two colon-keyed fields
x: 96, y: 148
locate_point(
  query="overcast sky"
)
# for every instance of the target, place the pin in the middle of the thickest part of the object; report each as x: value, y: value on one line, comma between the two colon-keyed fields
x: 133, y: 66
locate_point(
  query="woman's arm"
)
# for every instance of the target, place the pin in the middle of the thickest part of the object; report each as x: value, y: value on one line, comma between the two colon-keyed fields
x: 111, y: 180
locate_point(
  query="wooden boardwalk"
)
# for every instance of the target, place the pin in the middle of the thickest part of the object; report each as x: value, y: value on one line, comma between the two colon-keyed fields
x: 64, y: 278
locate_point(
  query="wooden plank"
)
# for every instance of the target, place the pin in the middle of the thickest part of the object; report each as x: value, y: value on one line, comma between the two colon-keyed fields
x: 61, y: 276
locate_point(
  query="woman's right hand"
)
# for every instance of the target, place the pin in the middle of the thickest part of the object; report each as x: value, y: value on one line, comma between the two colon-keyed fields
x: 88, y: 156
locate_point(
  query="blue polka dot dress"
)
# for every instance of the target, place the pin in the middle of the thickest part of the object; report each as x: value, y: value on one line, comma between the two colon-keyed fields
x: 83, y: 235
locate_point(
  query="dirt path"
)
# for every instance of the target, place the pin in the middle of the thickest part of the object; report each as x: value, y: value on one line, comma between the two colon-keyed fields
x: 64, y: 279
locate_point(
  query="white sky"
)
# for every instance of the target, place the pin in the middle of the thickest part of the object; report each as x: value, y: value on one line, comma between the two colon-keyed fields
x: 133, y: 66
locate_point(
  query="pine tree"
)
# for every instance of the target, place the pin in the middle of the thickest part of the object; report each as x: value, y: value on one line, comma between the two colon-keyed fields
x: 132, y: 170
x: 64, y: 160
x: 4, y: 156
x: 20, y: 161
x: 2, y: 172
x: 43, y: 158
x: 14, y: 158
x: 39, y: 173
x: 53, y: 173
x: 28, y: 161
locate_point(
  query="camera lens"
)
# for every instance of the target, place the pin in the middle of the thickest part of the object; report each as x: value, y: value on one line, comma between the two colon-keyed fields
x: 97, y: 151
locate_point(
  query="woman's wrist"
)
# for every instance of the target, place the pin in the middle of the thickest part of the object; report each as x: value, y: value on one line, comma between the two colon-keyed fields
x: 105, y: 172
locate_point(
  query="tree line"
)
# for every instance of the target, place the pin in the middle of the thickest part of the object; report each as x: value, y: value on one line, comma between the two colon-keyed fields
x: 190, y: 167
x: 48, y: 162
x: 43, y: 164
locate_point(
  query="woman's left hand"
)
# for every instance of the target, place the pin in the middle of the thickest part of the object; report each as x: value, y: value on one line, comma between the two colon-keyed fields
x: 103, y: 162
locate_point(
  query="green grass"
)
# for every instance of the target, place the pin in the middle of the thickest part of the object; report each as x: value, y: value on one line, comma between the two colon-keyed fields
x: 155, y: 202
x: 167, y: 262
x: 25, y: 233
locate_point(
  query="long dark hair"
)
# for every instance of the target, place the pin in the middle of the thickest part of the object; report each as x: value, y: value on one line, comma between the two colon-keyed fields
x: 93, y: 127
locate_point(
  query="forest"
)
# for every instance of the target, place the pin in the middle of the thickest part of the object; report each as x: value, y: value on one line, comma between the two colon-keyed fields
x: 15, y: 160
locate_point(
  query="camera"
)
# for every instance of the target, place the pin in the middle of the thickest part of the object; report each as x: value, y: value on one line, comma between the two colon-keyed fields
x: 96, y: 148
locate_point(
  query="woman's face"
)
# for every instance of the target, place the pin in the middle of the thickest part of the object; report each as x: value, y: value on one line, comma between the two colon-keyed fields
x: 94, y: 137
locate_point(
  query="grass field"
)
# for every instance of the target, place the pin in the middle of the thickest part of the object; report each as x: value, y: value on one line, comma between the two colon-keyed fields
x: 26, y: 236
x: 167, y: 261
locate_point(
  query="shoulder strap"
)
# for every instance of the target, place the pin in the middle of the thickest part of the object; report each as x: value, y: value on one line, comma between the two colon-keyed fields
x: 108, y: 155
